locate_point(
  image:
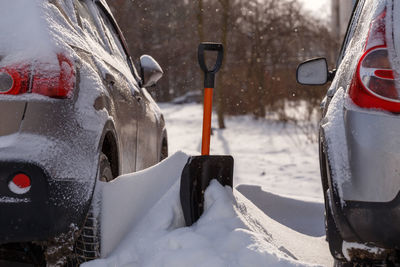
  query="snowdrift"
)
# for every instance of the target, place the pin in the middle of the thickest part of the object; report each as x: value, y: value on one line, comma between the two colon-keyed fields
x: 143, y: 225
x: 127, y: 199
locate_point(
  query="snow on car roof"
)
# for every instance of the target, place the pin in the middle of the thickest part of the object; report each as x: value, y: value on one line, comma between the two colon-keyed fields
x: 22, y: 30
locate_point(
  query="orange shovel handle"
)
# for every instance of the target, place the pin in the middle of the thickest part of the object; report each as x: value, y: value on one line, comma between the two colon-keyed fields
x: 209, y: 79
x: 205, y: 144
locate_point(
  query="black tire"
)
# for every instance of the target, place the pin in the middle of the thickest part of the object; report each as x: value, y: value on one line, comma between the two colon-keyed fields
x: 87, y: 245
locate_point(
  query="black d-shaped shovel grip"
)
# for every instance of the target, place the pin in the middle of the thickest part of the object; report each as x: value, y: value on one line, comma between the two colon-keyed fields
x: 209, y: 77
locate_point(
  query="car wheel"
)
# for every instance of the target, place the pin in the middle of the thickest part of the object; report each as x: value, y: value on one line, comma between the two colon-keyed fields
x: 87, y: 245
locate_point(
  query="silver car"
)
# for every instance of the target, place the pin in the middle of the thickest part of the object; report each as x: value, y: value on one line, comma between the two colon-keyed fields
x: 359, y: 137
x: 73, y: 111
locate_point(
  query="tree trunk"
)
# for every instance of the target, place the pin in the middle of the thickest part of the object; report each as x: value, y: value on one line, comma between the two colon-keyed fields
x: 220, y: 92
x: 200, y: 24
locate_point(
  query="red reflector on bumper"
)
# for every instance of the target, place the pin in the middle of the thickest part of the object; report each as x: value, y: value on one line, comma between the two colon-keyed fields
x: 20, y: 184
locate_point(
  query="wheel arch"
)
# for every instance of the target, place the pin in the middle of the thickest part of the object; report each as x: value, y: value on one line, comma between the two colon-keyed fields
x: 341, y: 230
x: 109, y: 146
x: 163, y: 151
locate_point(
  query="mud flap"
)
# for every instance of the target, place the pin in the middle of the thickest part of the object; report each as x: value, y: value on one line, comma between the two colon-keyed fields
x: 195, y: 178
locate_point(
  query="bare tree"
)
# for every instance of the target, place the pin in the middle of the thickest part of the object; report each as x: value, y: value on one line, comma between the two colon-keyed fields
x: 200, y: 23
x: 220, y: 93
x: 264, y: 41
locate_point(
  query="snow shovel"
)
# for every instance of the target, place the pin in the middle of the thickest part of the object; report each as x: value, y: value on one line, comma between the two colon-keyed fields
x: 200, y: 170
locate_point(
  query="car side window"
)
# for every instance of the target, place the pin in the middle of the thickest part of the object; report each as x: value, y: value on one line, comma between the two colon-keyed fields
x: 113, y: 37
x: 89, y: 25
x: 351, y: 29
x: 115, y: 41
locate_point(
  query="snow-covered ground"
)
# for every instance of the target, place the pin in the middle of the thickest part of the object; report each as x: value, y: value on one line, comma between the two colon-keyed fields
x: 273, y: 218
x: 276, y: 156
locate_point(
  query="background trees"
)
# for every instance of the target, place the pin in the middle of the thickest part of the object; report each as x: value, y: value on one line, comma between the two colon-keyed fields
x: 264, y: 42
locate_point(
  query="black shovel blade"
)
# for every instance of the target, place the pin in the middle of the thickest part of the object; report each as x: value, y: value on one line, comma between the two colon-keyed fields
x: 196, y: 176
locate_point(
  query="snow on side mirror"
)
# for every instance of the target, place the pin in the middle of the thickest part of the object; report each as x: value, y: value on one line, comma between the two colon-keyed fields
x: 150, y: 71
x: 313, y: 72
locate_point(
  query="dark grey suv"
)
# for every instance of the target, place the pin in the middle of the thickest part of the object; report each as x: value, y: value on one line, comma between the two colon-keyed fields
x: 73, y: 111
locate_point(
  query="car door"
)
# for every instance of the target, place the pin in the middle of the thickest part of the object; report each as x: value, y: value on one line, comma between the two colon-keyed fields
x: 147, y: 132
x: 146, y: 116
x: 124, y: 89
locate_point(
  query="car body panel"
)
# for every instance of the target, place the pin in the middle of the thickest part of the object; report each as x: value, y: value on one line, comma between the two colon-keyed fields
x: 374, y: 156
x: 11, y: 116
x: 148, y: 133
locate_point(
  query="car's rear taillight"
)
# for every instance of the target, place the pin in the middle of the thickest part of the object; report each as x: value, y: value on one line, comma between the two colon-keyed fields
x: 53, y: 81
x: 373, y: 84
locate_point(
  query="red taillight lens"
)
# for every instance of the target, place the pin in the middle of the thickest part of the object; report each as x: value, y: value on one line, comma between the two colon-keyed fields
x: 373, y: 84
x: 56, y: 85
x: 20, y: 184
x: 40, y: 79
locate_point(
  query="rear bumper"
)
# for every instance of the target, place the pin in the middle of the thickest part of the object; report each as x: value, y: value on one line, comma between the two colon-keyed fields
x: 45, y: 212
x: 373, y: 223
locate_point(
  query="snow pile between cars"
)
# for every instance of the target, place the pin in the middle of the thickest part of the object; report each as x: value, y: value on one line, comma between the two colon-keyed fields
x: 231, y: 232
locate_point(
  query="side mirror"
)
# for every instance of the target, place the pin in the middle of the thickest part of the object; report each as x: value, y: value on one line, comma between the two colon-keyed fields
x: 314, y: 72
x: 150, y: 71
